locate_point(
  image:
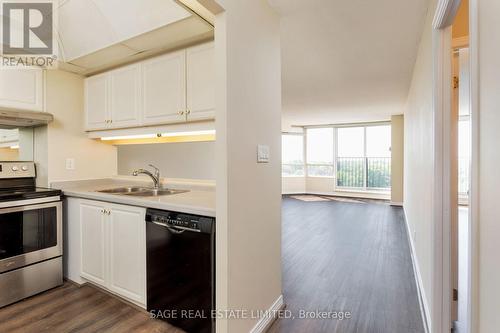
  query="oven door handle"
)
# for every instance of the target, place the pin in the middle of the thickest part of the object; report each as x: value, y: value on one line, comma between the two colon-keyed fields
x: 31, y: 204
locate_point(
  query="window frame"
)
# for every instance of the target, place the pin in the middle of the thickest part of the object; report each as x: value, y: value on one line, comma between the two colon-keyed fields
x: 335, y: 128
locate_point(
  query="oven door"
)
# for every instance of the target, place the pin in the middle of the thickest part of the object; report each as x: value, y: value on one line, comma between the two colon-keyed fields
x: 29, y: 234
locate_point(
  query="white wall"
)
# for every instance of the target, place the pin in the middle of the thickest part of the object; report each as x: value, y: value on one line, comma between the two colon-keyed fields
x: 320, y: 185
x: 192, y: 160
x: 418, y: 159
x: 293, y: 185
x: 489, y: 160
x: 247, y: 49
x: 397, y: 159
x: 65, y: 137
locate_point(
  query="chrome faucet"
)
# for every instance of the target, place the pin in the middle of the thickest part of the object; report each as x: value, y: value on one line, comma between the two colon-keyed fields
x: 155, y: 177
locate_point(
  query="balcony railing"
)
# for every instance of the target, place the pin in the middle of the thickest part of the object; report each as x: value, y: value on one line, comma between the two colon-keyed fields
x: 364, y: 172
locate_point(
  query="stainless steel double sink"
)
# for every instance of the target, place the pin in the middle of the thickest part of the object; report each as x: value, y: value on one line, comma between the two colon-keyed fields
x: 142, y: 191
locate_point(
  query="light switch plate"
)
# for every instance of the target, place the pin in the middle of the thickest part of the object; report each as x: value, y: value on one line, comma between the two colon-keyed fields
x: 262, y: 154
x: 70, y: 164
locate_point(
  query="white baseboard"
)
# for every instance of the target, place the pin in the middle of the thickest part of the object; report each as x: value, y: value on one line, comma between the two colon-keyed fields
x: 393, y: 203
x: 266, y: 321
x: 422, y: 298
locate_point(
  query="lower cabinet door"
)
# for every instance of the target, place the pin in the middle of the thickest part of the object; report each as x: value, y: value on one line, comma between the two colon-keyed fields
x: 127, y: 252
x: 93, y: 233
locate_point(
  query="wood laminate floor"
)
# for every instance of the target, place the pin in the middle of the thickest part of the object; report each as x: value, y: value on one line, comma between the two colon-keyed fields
x: 354, y: 257
x: 70, y: 308
x: 337, y: 256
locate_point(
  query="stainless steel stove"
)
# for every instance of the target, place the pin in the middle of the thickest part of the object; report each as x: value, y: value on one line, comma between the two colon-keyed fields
x: 30, y: 234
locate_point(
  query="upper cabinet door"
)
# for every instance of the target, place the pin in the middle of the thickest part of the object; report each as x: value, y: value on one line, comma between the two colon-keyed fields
x: 127, y: 252
x: 201, y: 82
x: 22, y: 88
x: 164, y: 88
x: 93, y: 235
x: 125, y: 97
x: 96, y: 102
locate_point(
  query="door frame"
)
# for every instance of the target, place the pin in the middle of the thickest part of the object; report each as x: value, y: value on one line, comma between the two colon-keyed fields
x: 443, y: 200
x: 473, y: 257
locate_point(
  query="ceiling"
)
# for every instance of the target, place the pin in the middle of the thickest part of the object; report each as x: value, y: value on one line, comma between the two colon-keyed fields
x: 95, y: 35
x: 347, y: 61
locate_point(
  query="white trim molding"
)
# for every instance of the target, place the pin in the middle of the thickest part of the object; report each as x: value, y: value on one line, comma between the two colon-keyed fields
x: 442, y: 237
x: 422, y: 298
x: 474, y: 197
x: 444, y: 231
x: 445, y: 13
x: 266, y: 321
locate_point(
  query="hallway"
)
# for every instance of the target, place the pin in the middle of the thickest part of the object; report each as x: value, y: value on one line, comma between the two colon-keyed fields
x: 351, y: 257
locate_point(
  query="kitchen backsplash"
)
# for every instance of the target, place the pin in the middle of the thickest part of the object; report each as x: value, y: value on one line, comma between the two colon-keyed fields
x: 194, y: 160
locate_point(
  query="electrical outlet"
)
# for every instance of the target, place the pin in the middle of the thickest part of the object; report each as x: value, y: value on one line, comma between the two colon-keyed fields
x: 262, y: 154
x: 70, y: 164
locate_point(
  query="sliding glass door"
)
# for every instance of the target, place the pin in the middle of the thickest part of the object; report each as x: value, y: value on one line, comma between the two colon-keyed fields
x: 363, y: 160
x: 351, y: 166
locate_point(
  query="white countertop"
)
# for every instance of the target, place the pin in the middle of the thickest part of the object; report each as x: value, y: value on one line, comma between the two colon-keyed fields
x: 200, y: 199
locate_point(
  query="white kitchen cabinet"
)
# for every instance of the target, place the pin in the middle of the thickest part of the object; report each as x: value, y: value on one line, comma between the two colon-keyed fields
x: 127, y: 252
x: 113, y: 247
x: 200, y: 72
x: 164, y: 88
x: 22, y: 88
x: 93, y: 241
x: 172, y: 88
x: 96, y: 102
x: 125, y: 97
x: 113, y: 99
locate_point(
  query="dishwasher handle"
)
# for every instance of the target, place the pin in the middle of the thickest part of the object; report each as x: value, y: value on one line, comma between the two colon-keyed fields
x: 175, y: 230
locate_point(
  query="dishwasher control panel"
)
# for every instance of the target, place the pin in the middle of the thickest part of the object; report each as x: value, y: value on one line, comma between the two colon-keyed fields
x: 181, y: 221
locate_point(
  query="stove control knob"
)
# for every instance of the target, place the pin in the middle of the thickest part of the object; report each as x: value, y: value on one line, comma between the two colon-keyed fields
x: 15, y: 168
x: 24, y: 168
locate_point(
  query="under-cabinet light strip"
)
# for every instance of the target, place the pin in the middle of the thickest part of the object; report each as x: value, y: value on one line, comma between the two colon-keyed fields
x: 152, y: 136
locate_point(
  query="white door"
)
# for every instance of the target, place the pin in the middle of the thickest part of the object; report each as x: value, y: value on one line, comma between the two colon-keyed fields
x: 124, y: 95
x: 21, y: 88
x: 164, y: 88
x: 96, y: 102
x: 200, y: 80
x: 93, y: 236
x: 127, y: 252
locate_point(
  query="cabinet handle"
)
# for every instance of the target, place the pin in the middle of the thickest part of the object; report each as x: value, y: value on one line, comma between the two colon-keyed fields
x: 180, y: 113
x: 188, y: 111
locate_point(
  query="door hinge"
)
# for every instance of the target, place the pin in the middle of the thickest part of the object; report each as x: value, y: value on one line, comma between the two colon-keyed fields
x: 455, y: 82
x: 455, y: 295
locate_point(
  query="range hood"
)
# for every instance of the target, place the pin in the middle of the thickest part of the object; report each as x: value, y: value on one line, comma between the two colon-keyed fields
x: 19, y: 118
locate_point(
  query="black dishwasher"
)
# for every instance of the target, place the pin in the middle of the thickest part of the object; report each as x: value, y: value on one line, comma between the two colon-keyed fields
x: 181, y: 269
